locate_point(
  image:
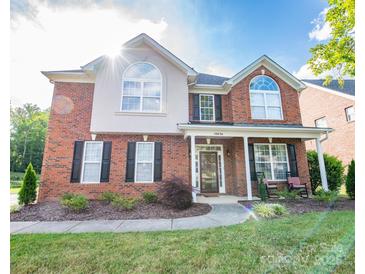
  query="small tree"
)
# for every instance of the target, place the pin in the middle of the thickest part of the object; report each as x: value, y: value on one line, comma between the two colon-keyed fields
x: 28, y: 190
x: 350, y: 180
x: 334, y: 170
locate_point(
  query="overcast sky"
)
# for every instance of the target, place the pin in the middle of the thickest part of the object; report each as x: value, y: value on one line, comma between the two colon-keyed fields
x: 218, y: 37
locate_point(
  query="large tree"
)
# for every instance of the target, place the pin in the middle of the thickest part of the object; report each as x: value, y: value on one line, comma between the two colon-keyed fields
x: 27, y: 136
x: 338, y: 54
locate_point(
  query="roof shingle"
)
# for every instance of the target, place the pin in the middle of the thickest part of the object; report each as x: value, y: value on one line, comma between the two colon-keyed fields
x: 348, y: 88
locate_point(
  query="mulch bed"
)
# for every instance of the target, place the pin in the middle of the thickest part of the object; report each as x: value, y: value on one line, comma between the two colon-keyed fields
x: 97, y: 210
x: 309, y: 205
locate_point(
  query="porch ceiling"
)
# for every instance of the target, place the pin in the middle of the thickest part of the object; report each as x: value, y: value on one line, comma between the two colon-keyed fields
x: 254, y: 130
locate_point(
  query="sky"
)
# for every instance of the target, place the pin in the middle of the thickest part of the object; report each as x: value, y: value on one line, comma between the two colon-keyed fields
x: 213, y: 36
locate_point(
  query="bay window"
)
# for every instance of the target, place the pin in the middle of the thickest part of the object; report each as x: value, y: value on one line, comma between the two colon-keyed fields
x: 265, y: 99
x: 272, y: 160
x: 144, y: 161
x: 141, y: 88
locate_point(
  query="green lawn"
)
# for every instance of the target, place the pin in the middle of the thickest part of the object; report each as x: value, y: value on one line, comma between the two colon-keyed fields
x: 14, y: 190
x: 313, y: 243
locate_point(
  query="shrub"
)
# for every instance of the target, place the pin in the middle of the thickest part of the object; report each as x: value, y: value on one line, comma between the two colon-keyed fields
x: 289, y: 195
x: 15, y: 208
x: 108, y: 196
x: 334, y: 170
x: 74, y: 202
x: 175, y: 193
x: 279, y: 209
x: 262, y: 189
x: 350, y: 180
x: 28, y: 190
x: 150, y: 197
x: 326, y: 196
x: 269, y: 210
x: 121, y: 202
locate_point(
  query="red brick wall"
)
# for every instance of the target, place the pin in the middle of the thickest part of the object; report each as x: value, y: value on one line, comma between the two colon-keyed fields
x: 70, y: 121
x: 236, y: 105
x: 316, y: 103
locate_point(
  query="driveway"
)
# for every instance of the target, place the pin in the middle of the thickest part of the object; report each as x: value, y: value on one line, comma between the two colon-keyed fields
x: 220, y: 215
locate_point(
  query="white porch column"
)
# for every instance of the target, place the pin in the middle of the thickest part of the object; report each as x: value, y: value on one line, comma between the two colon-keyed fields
x: 192, y: 157
x: 322, y: 167
x: 247, y: 165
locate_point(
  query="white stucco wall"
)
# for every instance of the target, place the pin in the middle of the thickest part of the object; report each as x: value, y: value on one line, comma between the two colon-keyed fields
x: 106, y: 114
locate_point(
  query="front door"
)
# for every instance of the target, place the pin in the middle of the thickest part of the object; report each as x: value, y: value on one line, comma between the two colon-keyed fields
x: 209, y: 172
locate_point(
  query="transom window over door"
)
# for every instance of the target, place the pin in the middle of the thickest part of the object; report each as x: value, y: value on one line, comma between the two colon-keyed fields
x: 265, y: 99
x: 141, y: 88
x: 207, y: 112
x: 272, y: 160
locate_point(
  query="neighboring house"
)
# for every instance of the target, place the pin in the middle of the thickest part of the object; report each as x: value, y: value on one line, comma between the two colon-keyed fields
x: 126, y: 123
x: 331, y: 106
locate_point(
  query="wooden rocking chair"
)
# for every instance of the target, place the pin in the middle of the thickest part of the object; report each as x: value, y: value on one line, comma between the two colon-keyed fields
x: 295, y: 184
x: 271, y: 189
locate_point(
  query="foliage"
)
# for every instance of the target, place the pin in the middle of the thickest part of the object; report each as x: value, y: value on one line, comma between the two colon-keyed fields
x: 150, y: 197
x: 279, y: 209
x: 339, y: 52
x: 127, y: 203
x: 262, y: 189
x: 289, y: 195
x: 15, y: 208
x: 334, y: 170
x: 265, y: 210
x: 326, y: 196
x: 27, y: 136
x: 350, y: 180
x: 16, y: 179
x: 74, y: 202
x: 175, y: 193
x: 28, y: 190
x: 108, y: 196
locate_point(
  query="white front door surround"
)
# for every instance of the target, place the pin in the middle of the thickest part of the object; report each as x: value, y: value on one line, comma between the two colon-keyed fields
x: 216, y: 131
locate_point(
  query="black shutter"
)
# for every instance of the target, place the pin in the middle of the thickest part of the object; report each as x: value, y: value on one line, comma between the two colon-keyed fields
x: 196, y: 107
x: 218, y: 107
x: 77, y: 161
x: 131, y: 155
x: 251, y: 156
x: 105, y: 164
x: 292, y: 160
x: 157, y: 177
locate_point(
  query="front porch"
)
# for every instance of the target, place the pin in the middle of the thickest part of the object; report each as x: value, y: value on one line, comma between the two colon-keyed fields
x: 226, y: 158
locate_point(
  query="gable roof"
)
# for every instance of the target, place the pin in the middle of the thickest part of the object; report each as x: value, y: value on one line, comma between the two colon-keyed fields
x: 274, y: 67
x: 348, y: 88
x: 210, y: 79
x: 144, y: 38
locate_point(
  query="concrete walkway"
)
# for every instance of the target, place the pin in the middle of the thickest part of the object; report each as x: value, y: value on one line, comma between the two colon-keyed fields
x: 220, y: 215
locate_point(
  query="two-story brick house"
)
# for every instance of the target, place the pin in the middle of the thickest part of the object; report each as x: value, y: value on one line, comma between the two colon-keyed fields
x: 126, y: 123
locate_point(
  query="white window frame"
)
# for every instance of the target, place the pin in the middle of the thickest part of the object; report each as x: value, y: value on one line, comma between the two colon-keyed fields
x: 148, y: 162
x: 142, y: 82
x: 91, y: 162
x: 266, y: 106
x: 272, y: 160
x: 347, y: 115
x: 325, y: 120
x: 200, y: 107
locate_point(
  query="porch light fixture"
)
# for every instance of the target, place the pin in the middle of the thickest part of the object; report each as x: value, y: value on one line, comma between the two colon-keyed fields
x: 93, y: 136
x: 208, y: 141
x: 270, y: 140
x: 145, y: 137
x: 228, y: 153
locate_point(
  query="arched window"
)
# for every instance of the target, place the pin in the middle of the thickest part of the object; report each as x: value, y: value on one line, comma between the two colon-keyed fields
x: 141, y: 88
x: 265, y: 99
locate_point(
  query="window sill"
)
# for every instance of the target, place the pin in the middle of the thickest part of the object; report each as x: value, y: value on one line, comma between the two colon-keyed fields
x: 89, y: 183
x: 130, y: 113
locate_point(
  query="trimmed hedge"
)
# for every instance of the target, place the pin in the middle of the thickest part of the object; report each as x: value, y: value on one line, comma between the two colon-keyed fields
x: 175, y: 193
x: 350, y: 180
x: 334, y: 170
